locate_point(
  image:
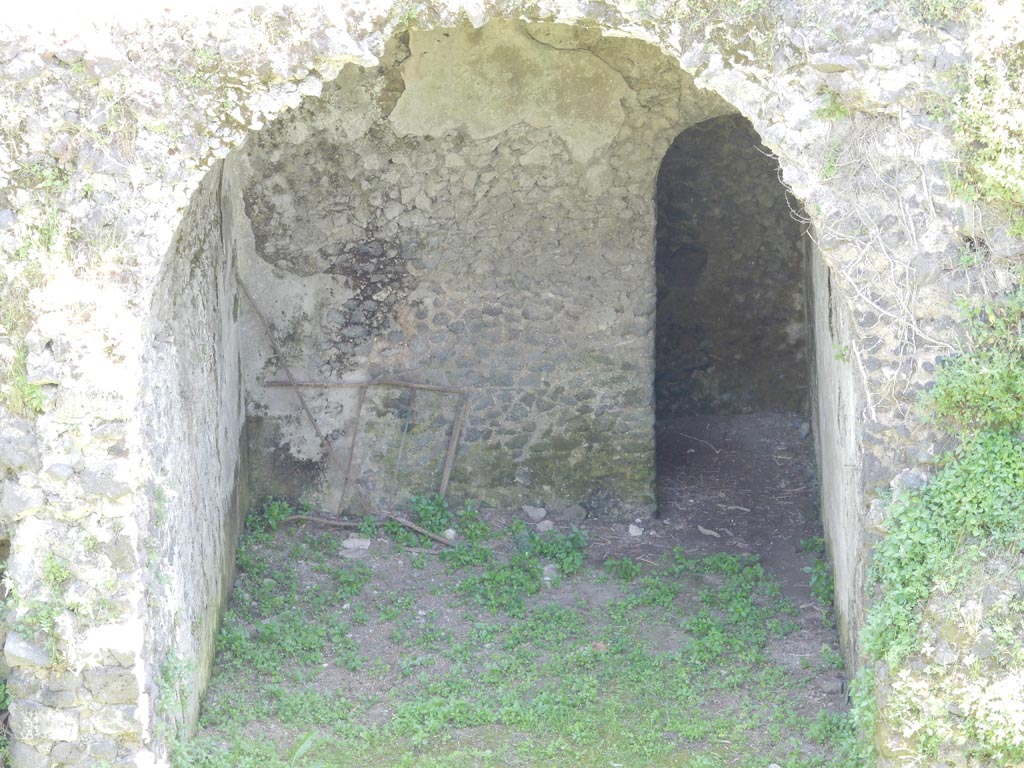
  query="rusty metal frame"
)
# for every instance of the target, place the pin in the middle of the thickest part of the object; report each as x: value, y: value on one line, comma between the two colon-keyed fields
x: 458, y: 420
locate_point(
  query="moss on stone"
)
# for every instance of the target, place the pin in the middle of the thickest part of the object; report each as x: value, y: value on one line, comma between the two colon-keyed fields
x: 589, y: 461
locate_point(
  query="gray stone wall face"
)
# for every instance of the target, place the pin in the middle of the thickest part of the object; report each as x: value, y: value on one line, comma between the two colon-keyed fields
x: 147, y: 593
x: 193, y: 397
x: 515, y: 264
x: 838, y: 406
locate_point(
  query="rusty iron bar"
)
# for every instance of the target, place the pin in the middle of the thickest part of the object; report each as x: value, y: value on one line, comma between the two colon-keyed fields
x: 324, y: 442
x: 352, y: 447
x: 401, y: 443
x: 371, y: 383
x: 362, y: 386
x: 453, y: 443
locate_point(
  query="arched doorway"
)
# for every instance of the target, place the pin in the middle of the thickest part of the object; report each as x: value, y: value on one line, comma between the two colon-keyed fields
x: 733, y: 375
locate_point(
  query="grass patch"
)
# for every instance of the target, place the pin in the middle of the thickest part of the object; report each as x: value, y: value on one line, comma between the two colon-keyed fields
x: 977, y: 494
x: 16, y: 393
x: 983, y: 389
x: 491, y: 664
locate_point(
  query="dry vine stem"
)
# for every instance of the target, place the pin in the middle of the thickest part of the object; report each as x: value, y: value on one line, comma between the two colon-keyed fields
x: 879, y: 173
x: 705, y: 442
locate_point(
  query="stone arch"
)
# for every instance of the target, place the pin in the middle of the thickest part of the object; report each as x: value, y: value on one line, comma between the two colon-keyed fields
x: 130, y: 486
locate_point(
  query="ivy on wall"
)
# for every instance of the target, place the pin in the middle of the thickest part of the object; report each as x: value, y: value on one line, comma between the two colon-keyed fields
x: 971, y: 511
x: 988, y: 117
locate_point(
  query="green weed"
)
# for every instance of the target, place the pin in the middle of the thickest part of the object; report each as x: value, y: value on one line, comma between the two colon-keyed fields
x: 972, y: 509
x: 368, y: 527
x: 941, y: 11
x: 831, y: 728
x: 274, y: 644
x: 622, y: 569
x: 21, y: 396
x: 658, y: 592
x: 470, y: 526
x: 432, y: 513
x: 815, y: 545
x: 975, y: 494
x: 564, y: 549
x: 39, y: 620
x: 56, y: 572
x: 822, y: 582
x: 269, y: 517
x: 16, y: 393
x: 403, y: 536
x: 347, y: 579
x: 833, y: 108
x: 985, y: 116
x: 832, y: 658
x: 465, y: 555
x: 983, y: 389
x: 172, y: 681
x: 396, y: 606
x: 505, y: 586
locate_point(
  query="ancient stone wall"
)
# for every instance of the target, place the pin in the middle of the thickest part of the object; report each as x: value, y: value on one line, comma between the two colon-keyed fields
x: 120, y: 621
x: 838, y: 406
x: 193, y: 397
x: 106, y: 134
x: 475, y: 214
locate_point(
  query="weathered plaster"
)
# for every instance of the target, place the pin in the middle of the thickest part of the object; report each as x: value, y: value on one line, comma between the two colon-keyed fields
x: 486, y: 80
x: 498, y: 253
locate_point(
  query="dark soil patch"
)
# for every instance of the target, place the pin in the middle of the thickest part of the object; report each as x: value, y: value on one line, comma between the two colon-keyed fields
x: 750, y: 478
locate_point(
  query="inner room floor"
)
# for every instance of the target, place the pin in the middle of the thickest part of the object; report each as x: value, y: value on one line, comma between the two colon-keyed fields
x: 749, y: 481
x: 747, y: 484
x: 542, y: 639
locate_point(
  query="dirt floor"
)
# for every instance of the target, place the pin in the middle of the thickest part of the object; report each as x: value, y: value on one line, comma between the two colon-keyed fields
x: 751, y: 480
x: 641, y: 648
x: 747, y: 484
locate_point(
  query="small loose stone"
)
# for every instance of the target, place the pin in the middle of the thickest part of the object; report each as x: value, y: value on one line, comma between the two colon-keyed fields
x: 536, y: 514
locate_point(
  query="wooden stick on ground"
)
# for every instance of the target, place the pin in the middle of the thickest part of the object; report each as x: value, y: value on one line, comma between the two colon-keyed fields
x: 322, y: 521
x: 352, y: 524
x: 418, y: 529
